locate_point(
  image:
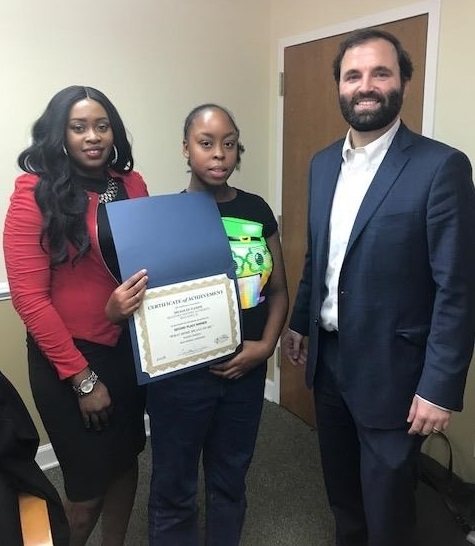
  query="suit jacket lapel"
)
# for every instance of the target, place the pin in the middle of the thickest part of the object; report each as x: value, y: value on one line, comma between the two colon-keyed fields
x: 387, y: 174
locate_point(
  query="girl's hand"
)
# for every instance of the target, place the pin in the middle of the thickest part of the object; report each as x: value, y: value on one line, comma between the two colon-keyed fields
x: 252, y: 354
x: 127, y: 297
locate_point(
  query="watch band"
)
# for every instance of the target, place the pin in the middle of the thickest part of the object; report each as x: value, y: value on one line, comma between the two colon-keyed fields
x: 87, y: 385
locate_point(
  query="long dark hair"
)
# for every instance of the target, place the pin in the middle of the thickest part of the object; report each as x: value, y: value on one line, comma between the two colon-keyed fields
x: 212, y: 106
x: 62, y: 203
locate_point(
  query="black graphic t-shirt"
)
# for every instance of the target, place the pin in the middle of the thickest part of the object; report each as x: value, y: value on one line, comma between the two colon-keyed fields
x: 249, y: 221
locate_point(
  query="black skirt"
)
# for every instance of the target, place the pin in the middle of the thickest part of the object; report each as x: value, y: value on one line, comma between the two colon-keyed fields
x: 91, y: 460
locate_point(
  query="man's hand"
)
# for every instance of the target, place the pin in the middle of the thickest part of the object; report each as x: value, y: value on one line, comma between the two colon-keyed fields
x: 426, y: 418
x: 127, y: 297
x: 294, y: 347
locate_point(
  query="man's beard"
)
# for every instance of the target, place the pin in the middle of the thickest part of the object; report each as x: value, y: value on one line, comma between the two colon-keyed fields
x: 372, y: 120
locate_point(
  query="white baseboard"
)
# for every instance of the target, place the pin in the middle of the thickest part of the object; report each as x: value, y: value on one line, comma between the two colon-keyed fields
x: 269, y: 392
x: 46, y: 457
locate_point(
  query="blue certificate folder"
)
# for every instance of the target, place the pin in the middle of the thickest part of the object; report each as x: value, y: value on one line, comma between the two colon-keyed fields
x: 176, y: 238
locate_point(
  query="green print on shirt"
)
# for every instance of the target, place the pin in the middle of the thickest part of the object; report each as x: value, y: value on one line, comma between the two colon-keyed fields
x: 252, y: 258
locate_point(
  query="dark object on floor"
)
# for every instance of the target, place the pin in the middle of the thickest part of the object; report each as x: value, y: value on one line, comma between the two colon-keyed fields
x: 19, y: 472
x: 458, y: 495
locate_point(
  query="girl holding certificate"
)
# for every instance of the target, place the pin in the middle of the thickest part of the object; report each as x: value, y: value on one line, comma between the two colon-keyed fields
x: 215, y: 412
x: 62, y: 269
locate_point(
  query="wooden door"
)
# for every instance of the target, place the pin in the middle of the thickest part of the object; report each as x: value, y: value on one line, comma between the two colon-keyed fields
x: 312, y: 121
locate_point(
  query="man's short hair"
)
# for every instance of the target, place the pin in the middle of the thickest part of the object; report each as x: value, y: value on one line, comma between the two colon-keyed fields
x: 363, y: 35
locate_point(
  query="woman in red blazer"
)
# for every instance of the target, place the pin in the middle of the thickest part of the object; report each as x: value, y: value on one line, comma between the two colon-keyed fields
x: 62, y: 269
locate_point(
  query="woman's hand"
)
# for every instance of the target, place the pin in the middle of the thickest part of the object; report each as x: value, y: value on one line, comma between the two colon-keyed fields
x: 96, y: 407
x: 127, y: 297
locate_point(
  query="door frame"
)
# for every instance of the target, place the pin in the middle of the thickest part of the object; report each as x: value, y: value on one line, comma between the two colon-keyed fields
x: 429, y: 7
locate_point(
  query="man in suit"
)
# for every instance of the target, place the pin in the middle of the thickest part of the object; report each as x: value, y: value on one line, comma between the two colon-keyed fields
x: 387, y: 296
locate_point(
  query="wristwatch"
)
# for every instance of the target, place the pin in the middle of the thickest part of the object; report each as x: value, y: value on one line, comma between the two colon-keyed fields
x: 86, y: 385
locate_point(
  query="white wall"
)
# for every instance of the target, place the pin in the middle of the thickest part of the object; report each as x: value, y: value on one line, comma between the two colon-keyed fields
x: 155, y: 59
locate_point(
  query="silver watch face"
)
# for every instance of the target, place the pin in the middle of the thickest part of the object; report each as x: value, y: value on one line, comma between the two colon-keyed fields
x: 86, y: 386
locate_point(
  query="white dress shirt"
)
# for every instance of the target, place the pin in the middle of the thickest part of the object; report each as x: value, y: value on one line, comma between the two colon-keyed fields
x: 356, y: 174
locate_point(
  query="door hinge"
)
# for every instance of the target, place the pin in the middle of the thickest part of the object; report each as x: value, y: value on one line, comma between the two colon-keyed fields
x: 277, y: 356
x: 279, y: 224
x: 281, y: 84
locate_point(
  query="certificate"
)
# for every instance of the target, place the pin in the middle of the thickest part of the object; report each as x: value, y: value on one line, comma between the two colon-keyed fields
x: 186, y: 324
x: 191, y: 315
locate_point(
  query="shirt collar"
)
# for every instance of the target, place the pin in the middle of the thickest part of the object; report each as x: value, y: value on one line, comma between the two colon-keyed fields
x: 373, y: 149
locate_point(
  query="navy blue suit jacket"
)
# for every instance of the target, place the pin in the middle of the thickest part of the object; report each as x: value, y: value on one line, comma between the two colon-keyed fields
x: 406, y: 308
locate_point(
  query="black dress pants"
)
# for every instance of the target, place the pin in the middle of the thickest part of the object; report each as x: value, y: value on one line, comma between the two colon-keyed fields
x: 370, y: 474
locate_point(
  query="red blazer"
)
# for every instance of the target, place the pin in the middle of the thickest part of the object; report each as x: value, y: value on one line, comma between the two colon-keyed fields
x: 68, y: 302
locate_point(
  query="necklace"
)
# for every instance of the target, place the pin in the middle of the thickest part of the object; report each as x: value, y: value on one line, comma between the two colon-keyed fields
x: 111, y: 191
